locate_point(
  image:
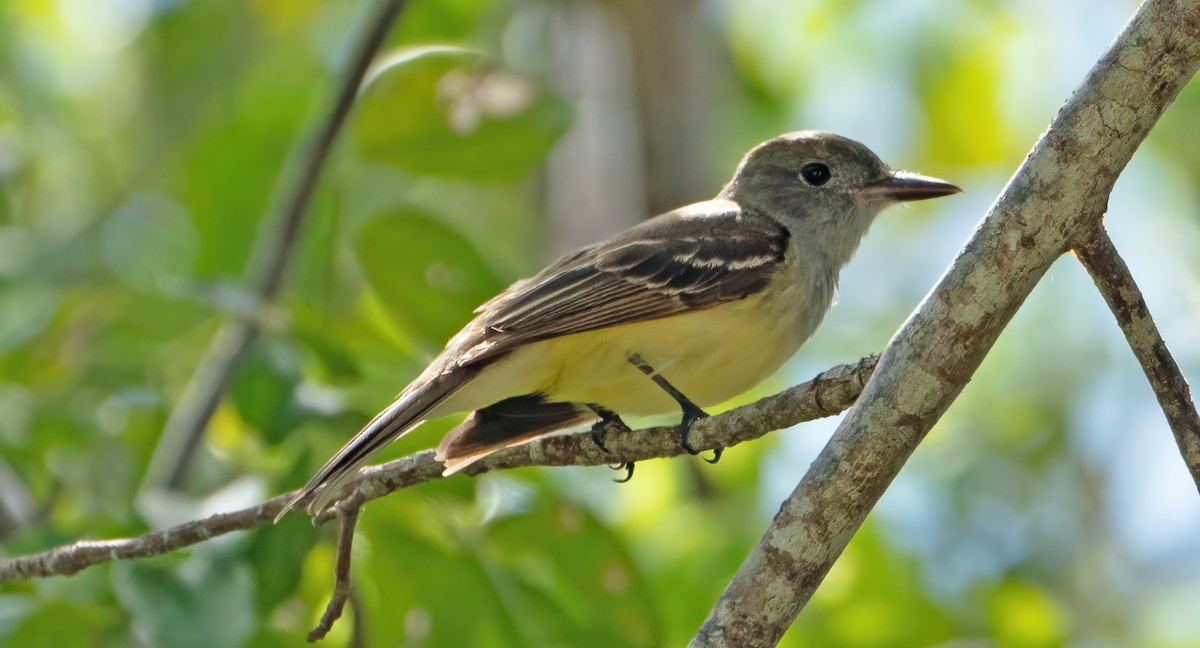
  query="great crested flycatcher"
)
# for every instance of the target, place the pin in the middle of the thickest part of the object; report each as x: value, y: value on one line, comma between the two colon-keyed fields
x: 681, y: 311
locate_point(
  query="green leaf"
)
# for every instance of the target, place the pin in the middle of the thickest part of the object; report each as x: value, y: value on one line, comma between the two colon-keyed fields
x: 1024, y: 614
x: 428, y: 276
x: 442, y: 20
x: 451, y: 112
x: 274, y: 553
x: 25, y: 310
x: 569, y: 577
x: 436, y: 596
x: 338, y: 364
x: 150, y: 239
x: 264, y: 392
x: 55, y: 624
x: 214, y: 607
x: 960, y: 78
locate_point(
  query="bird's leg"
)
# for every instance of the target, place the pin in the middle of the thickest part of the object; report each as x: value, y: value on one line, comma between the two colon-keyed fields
x: 609, y: 420
x: 691, y: 411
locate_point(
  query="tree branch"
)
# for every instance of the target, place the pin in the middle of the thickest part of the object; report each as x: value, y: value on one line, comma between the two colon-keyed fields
x: 834, y: 389
x: 341, y: 577
x: 272, y: 256
x: 1058, y: 193
x: 1102, y: 261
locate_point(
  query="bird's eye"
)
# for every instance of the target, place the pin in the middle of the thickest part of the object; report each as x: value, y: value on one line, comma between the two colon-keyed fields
x: 815, y: 174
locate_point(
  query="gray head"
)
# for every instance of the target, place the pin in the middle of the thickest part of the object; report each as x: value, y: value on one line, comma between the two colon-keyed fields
x: 825, y: 188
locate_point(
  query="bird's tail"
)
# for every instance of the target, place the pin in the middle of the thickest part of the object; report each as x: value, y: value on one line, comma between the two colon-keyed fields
x: 401, y: 417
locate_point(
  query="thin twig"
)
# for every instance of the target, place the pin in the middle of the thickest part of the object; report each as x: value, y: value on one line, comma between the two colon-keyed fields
x: 341, y: 577
x: 838, y: 388
x: 1102, y: 261
x: 69, y: 559
x: 272, y: 256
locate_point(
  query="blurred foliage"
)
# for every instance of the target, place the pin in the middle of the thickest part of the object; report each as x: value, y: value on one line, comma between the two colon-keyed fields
x: 443, y: 112
x: 142, y: 142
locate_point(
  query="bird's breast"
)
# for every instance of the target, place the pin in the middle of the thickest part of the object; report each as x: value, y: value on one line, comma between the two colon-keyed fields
x: 709, y: 356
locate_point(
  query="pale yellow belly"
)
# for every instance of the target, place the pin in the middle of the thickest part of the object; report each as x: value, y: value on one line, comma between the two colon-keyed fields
x: 709, y: 356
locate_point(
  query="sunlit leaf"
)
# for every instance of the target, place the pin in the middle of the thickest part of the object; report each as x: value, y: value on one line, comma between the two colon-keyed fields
x: 451, y: 112
x: 1023, y: 614
x: 441, y: 20
x: 963, y: 107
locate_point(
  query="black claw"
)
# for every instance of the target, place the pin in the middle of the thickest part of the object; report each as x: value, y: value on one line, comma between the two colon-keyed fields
x: 598, y: 431
x: 687, y: 447
x: 691, y: 414
x: 609, y: 420
x: 717, y: 452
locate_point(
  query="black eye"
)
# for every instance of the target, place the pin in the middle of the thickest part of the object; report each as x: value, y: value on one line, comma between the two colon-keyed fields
x: 815, y: 174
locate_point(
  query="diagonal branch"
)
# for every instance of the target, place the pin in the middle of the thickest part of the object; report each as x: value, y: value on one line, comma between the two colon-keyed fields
x: 1101, y: 259
x: 272, y: 256
x: 827, y: 394
x: 1059, y: 192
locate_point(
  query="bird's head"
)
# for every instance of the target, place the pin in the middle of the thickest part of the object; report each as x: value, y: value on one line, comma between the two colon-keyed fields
x: 826, y: 188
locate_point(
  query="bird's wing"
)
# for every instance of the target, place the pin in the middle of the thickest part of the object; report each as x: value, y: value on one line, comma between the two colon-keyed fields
x: 682, y: 261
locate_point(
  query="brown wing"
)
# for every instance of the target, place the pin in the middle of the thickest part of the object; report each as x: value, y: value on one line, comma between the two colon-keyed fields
x: 675, y: 263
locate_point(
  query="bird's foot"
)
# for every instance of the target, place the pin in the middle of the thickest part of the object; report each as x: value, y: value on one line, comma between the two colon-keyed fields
x: 610, y: 421
x: 691, y: 414
x: 598, y: 434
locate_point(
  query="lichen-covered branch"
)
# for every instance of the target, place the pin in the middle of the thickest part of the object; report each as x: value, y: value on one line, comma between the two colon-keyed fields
x: 1057, y: 195
x: 272, y: 255
x: 831, y: 392
x: 1102, y: 261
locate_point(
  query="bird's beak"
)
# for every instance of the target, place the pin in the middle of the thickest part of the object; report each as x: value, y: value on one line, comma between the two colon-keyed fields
x: 903, y: 186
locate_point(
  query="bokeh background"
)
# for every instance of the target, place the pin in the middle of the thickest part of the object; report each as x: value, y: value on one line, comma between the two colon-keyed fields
x: 142, y: 143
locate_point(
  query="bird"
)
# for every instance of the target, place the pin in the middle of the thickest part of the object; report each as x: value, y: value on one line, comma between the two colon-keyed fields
x: 680, y: 312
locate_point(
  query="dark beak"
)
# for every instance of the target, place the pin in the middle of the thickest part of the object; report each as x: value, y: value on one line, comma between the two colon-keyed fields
x: 903, y: 186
